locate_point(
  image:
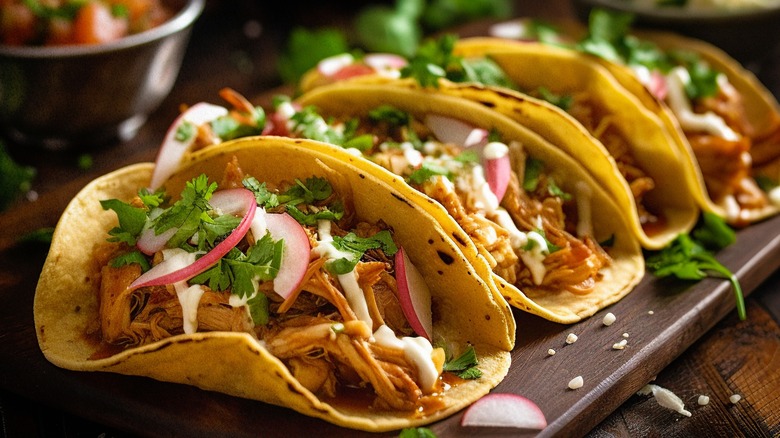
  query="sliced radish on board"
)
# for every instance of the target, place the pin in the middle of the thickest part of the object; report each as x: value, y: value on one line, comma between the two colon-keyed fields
x: 414, y: 295
x: 449, y: 130
x: 174, y: 145
x: 295, y: 258
x: 504, y: 410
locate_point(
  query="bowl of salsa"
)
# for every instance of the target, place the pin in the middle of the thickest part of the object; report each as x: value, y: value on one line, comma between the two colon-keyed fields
x: 81, y: 73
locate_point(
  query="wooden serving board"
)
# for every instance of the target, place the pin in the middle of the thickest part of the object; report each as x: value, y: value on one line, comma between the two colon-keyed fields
x: 662, y: 318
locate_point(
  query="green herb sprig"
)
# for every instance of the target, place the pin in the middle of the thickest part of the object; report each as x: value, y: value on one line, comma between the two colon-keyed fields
x: 688, y: 257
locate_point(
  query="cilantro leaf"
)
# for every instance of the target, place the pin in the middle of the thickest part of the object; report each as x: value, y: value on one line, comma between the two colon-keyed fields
x: 688, y: 259
x: 465, y: 365
x: 130, y: 258
x: 131, y: 221
x: 563, y: 102
x: 416, y: 432
x: 426, y: 171
x: 714, y: 232
x: 187, y: 213
x: 533, y: 170
x: 263, y: 196
x: 356, y: 246
x: 229, y: 127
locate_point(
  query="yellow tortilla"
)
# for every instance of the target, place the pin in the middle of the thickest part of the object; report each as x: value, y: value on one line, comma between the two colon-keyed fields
x: 531, y: 66
x: 355, y: 98
x: 467, y: 308
x: 761, y: 108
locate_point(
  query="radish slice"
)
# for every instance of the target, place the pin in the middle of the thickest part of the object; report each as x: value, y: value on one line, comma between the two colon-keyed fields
x: 226, y: 200
x: 295, y: 258
x: 504, y: 410
x: 449, y: 130
x: 332, y: 64
x: 385, y: 61
x: 352, y: 71
x: 657, y: 85
x: 498, y: 168
x: 172, y: 150
x: 414, y: 295
x: 151, y: 242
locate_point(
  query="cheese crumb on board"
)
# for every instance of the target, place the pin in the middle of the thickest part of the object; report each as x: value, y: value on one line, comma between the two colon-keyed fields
x: 571, y: 338
x: 609, y: 319
x: 703, y: 400
x: 735, y: 398
x: 620, y: 345
x: 551, y: 352
x: 576, y: 382
x: 665, y: 398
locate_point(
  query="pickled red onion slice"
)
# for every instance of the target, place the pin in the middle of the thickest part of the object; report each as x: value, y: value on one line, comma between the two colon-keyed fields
x: 230, y: 201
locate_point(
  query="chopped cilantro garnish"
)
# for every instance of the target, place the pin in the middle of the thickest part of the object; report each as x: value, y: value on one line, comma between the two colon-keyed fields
x: 389, y: 114
x: 533, y: 170
x: 185, y: 131
x: 187, y: 214
x: 229, y: 127
x: 131, y: 221
x: 307, y: 192
x: 688, y: 258
x: 356, y: 246
x: 263, y: 196
x: 426, y: 171
x: 563, y: 102
x: 465, y: 365
x: 416, y: 432
x: 238, y: 271
x: 130, y: 258
x: 608, y: 37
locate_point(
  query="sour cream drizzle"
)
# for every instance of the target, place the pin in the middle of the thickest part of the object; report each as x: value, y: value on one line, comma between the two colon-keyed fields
x: 485, y: 200
x: 353, y: 292
x: 678, y: 101
x: 189, y: 296
x: 416, y: 349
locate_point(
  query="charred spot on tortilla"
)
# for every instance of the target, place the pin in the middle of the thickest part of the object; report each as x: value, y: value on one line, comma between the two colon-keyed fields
x: 402, y: 199
x: 458, y: 238
x: 77, y: 309
x: 446, y: 258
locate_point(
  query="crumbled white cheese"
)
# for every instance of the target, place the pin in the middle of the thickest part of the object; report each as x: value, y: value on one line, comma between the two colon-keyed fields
x: 735, y: 398
x: 571, y: 338
x: 551, y: 352
x: 665, y: 398
x: 576, y: 383
x: 609, y: 318
x: 650, y: 312
x: 625, y: 335
x: 703, y: 400
x: 620, y: 345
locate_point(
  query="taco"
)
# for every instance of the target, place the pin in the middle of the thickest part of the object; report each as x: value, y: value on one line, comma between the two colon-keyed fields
x: 663, y: 188
x: 718, y: 112
x: 559, y: 246
x: 343, y: 286
x: 563, y: 95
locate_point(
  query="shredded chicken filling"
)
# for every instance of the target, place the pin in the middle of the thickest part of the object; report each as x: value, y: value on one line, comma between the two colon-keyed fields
x: 314, y: 332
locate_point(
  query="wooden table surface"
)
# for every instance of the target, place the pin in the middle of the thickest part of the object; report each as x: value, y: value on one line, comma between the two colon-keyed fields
x: 715, y: 355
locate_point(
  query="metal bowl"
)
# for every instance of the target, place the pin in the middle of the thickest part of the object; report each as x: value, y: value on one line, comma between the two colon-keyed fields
x: 749, y: 35
x: 82, y: 96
